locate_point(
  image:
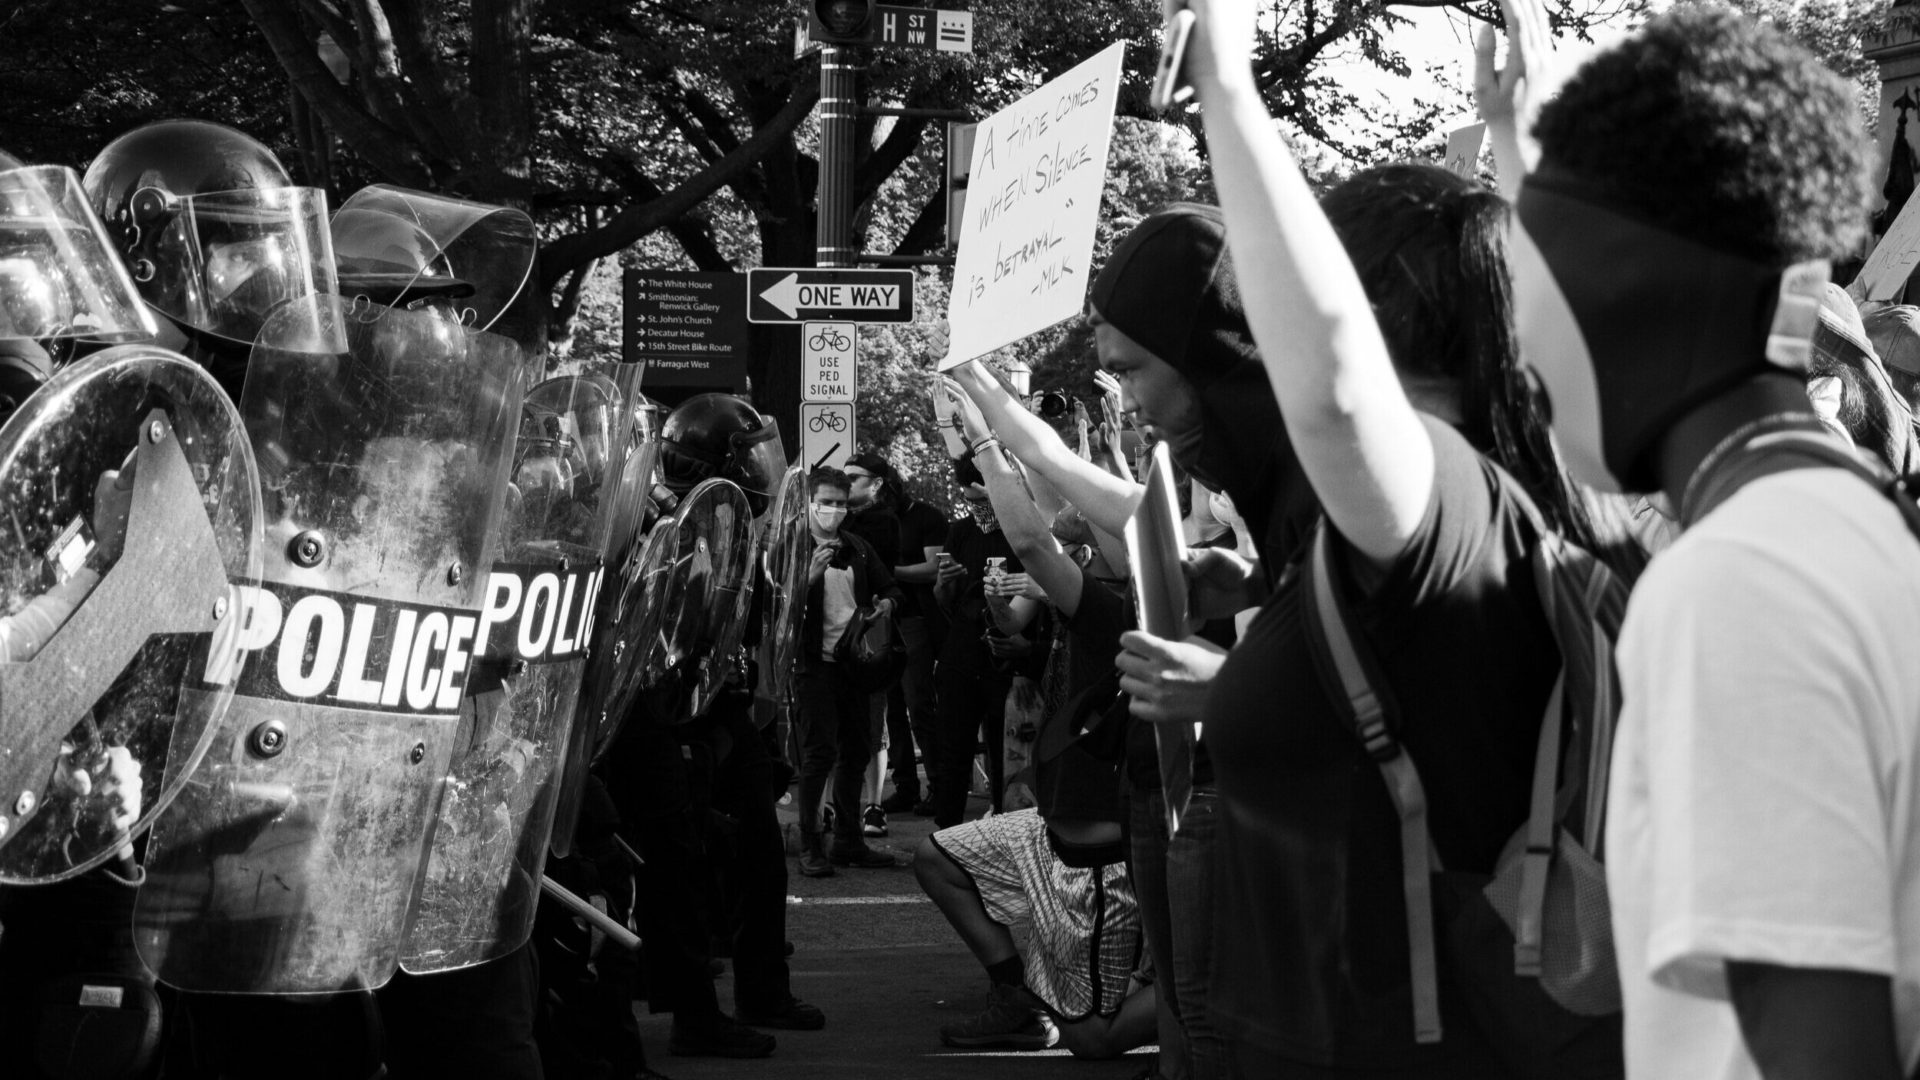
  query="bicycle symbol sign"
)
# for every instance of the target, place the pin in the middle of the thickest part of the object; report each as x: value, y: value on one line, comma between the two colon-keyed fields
x: 828, y: 361
x: 826, y: 433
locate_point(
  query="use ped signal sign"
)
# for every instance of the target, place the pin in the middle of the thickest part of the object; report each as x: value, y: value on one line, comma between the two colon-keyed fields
x: 776, y: 295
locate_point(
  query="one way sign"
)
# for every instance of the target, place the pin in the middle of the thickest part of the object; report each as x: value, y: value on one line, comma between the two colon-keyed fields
x: 791, y: 295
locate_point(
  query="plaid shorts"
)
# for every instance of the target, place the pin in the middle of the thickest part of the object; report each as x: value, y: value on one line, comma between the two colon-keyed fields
x: 1086, y: 924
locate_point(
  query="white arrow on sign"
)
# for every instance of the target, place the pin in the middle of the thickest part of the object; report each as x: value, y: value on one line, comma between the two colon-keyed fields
x: 790, y: 296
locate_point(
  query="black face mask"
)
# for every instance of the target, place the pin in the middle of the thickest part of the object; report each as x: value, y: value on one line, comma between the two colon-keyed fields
x: 1630, y: 327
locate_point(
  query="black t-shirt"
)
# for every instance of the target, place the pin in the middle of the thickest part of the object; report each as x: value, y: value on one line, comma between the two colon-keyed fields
x: 965, y: 649
x: 880, y: 529
x: 1079, y: 772
x: 921, y: 527
x: 1311, y: 959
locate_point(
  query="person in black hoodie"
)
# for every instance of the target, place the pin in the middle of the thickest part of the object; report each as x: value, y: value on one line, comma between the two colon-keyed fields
x: 1169, y: 325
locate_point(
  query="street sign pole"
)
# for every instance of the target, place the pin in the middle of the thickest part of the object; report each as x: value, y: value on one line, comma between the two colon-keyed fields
x: 833, y: 247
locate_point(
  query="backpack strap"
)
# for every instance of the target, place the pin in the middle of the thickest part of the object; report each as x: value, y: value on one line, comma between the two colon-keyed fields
x: 1542, y: 819
x: 1343, y: 668
x: 1783, y: 449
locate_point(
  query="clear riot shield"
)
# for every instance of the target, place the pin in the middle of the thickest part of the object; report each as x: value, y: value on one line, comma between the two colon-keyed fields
x: 631, y: 459
x: 131, y: 502
x: 482, y: 881
x: 707, y: 571
x: 789, y: 549
x: 289, y: 861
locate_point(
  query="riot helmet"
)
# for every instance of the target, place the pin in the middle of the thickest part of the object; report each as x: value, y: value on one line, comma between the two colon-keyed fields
x: 719, y: 435
x: 214, y: 231
x: 471, y: 261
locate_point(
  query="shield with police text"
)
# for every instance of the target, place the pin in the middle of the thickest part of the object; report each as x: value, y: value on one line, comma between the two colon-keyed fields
x: 131, y: 505
x: 291, y: 858
x: 482, y: 882
x: 631, y: 459
x: 789, y: 548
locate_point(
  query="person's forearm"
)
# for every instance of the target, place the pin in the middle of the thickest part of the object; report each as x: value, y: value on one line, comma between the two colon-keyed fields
x: 1358, y: 438
x: 1013, y: 505
x: 1815, y: 1024
x: 1106, y: 499
x: 916, y: 573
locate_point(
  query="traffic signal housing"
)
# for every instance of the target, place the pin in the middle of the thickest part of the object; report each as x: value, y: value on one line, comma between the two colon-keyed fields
x: 842, y: 22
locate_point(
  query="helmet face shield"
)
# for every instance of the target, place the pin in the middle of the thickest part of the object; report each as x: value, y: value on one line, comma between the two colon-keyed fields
x: 223, y: 262
x: 759, y: 463
x: 479, y: 254
x: 58, y: 275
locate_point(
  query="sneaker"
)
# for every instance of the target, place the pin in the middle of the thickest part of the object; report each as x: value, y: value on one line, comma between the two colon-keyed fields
x: 874, y: 821
x: 1008, y: 1023
x: 859, y: 856
x: 790, y: 1015
x: 813, y: 863
x: 720, y: 1036
x: 900, y: 802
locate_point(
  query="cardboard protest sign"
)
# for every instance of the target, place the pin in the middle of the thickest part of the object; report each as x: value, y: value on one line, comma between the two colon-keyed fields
x: 1033, y: 200
x: 1893, y: 259
x: 1463, y: 149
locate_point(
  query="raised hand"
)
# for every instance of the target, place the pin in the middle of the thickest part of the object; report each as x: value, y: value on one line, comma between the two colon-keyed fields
x: 1508, y: 98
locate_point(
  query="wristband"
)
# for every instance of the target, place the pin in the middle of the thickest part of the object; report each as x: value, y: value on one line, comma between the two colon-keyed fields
x: 990, y: 440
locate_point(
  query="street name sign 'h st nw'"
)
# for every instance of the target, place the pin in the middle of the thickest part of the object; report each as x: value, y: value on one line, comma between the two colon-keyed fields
x: 796, y: 294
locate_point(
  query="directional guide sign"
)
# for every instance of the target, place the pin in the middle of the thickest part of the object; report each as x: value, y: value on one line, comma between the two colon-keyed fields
x: 780, y: 295
x: 826, y: 433
x: 688, y: 327
x: 828, y: 354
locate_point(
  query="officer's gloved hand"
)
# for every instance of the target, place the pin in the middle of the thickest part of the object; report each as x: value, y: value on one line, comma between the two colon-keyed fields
x: 112, y: 500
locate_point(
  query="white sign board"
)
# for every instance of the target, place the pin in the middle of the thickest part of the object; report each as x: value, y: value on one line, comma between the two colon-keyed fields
x: 1893, y: 258
x: 1463, y: 149
x: 826, y: 433
x: 1033, y: 200
x: 829, y: 352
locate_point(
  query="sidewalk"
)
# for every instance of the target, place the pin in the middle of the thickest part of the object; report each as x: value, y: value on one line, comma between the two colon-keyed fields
x: 873, y: 953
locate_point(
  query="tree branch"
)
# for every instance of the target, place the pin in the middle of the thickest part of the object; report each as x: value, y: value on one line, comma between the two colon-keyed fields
x: 388, y: 150
x: 892, y: 152
x: 637, y: 221
x: 928, y: 229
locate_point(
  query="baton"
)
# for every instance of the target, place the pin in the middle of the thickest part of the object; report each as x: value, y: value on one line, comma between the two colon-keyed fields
x: 618, y: 934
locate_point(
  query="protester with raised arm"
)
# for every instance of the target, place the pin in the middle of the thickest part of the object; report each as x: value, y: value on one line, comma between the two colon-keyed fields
x: 1384, y: 332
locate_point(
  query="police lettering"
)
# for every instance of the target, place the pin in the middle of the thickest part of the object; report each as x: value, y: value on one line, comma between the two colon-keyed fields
x: 539, y: 614
x: 340, y: 649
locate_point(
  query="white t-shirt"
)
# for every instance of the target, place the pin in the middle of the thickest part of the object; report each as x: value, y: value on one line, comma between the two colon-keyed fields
x: 836, y: 592
x: 1763, y: 804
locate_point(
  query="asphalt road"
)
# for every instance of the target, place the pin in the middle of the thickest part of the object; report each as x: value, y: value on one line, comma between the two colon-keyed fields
x: 878, y: 958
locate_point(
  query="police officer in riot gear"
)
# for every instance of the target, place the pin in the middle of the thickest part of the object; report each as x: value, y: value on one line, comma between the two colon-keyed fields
x: 214, y: 232
x: 700, y: 793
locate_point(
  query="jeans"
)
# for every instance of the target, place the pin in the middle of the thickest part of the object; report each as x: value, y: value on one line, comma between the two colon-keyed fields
x: 833, y: 718
x: 1189, y: 883
x: 912, y: 722
x: 966, y: 700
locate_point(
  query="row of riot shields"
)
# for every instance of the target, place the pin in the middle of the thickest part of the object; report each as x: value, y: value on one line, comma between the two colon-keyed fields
x: 346, y: 651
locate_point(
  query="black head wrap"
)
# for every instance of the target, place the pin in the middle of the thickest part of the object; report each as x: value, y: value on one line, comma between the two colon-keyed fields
x: 1170, y: 287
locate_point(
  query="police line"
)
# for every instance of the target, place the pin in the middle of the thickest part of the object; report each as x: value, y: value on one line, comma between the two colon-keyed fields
x: 385, y: 656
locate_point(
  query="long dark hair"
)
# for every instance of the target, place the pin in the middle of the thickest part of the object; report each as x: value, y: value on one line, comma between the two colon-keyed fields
x: 1430, y: 249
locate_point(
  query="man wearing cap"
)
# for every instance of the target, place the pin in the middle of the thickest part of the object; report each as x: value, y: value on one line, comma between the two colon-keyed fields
x: 870, y: 516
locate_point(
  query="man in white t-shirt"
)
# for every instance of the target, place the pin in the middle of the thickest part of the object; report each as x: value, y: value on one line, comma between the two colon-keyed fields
x: 1763, y: 815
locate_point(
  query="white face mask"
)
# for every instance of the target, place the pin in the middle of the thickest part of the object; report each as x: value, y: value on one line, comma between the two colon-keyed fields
x: 828, y: 518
